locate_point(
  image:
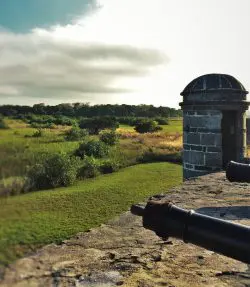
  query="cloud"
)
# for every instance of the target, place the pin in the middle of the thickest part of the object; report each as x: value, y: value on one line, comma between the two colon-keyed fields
x: 41, y: 65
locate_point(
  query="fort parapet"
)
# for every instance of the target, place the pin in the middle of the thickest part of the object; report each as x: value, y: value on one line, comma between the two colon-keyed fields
x: 214, y: 124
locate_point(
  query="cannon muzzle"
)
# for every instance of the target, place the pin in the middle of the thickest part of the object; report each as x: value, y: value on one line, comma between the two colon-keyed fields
x: 220, y: 236
x: 237, y: 171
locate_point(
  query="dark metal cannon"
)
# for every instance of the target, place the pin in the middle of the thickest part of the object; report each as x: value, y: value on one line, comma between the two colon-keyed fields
x: 236, y: 171
x: 220, y: 236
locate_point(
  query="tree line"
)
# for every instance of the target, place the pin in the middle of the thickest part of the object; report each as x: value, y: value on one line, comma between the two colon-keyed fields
x: 88, y: 111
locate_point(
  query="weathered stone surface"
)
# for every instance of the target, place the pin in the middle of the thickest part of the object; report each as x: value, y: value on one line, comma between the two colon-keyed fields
x: 123, y: 253
x: 209, y: 122
x: 193, y: 138
x: 213, y: 159
x: 193, y: 157
x: 211, y: 139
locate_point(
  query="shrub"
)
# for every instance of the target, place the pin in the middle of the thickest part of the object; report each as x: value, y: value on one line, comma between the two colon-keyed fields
x: 3, y: 124
x: 109, y: 166
x: 109, y: 137
x: 39, y: 133
x: 95, y: 125
x: 89, y: 169
x: 57, y: 170
x: 75, y: 134
x: 162, y: 121
x: 93, y: 148
x: 13, y: 187
x: 147, y: 126
x: 152, y: 155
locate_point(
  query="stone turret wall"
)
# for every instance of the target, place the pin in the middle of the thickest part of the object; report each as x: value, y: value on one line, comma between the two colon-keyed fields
x: 202, y: 142
x: 248, y: 131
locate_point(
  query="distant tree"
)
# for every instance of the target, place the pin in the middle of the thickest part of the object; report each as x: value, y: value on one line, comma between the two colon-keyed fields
x: 95, y: 125
x: 88, y: 111
x: 147, y: 126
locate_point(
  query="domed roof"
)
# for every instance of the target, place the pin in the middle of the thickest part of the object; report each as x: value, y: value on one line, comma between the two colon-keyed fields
x: 212, y: 82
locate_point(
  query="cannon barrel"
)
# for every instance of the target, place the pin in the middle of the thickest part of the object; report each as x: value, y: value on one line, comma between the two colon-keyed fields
x: 236, y: 171
x: 220, y: 236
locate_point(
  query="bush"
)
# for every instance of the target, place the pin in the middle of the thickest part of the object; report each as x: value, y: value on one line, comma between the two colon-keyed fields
x: 109, y: 166
x: 93, y: 148
x: 13, y: 187
x: 39, y: 133
x: 95, y: 125
x: 162, y: 121
x: 109, y: 137
x: 89, y: 169
x: 75, y: 134
x: 3, y: 124
x: 158, y: 156
x: 57, y: 170
x: 147, y: 126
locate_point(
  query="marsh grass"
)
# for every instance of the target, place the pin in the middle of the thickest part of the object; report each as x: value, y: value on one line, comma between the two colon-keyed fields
x: 18, y: 149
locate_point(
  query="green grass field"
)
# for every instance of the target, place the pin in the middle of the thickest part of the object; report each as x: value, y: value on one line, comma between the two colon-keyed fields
x: 31, y: 220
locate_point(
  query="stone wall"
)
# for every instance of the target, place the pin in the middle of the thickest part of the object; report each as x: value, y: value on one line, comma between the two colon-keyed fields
x: 248, y: 130
x: 202, y: 142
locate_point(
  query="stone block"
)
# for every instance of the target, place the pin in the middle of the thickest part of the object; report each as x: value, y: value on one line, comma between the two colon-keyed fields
x: 209, y: 122
x: 185, y: 137
x: 193, y: 138
x: 196, y: 147
x: 193, y: 157
x: 187, y: 173
x: 213, y: 159
x: 214, y: 149
x: 211, y: 139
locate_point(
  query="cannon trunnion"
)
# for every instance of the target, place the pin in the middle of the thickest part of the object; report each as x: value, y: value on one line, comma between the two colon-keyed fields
x: 220, y: 236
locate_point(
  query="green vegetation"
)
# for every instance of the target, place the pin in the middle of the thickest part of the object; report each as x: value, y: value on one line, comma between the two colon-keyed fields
x: 93, y: 148
x: 37, y: 218
x: 96, y: 124
x: 57, y: 170
x: 109, y: 137
x: 75, y: 134
x: 3, y: 124
x: 18, y: 149
x: 147, y: 126
x: 31, y: 159
x: 88, y: 111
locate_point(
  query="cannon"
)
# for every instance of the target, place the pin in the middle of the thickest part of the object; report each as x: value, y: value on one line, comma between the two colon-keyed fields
x: 221, y: 236
x: 236, y: 171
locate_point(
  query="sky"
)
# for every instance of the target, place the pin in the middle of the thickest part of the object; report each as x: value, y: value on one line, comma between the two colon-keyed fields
x: 118, y: 51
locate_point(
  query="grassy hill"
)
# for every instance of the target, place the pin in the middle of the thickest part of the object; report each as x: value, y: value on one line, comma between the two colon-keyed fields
x: 34, y: 219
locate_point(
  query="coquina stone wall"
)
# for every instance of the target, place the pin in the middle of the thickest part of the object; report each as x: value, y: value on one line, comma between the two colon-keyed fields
x: 248, y: 130
x: 202, y: 142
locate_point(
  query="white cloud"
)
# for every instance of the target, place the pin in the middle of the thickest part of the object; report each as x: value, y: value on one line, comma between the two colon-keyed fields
x: 44, y: 66
x: 120, y: 52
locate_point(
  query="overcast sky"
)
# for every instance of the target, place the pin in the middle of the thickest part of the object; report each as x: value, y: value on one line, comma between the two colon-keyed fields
x: 118, y: 51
